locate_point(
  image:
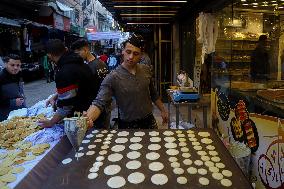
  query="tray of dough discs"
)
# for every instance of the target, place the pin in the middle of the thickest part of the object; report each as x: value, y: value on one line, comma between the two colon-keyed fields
x: 149, y: 159
x: 274, y: 95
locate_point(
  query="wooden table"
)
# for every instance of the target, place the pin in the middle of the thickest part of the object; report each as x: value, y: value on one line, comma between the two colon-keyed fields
x: 75, y: 174
x: 203, y: 102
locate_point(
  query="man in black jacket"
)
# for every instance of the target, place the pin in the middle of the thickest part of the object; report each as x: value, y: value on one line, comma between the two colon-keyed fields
x: 73, y: 82
x: 100, y: 71
x: 11, y: 86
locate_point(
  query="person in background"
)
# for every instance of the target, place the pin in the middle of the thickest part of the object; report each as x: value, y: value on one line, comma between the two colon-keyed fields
x: 73, y: 82
x: 103, y: 57
x: 259, y: 69
x: 132, y: 87
x: 99, y: 70
x: 47, y: 68
x: 11, y: 86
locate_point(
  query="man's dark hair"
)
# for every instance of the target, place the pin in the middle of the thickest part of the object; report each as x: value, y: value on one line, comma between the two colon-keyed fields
x: 135, y: 40
x: 262, y: 38
x: 55, y: 47
x: 11, y: 56
x: 80, y: 43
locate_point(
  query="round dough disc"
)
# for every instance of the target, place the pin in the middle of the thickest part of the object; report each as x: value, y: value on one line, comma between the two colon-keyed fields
x: 213, y: 153
x: 116, y: 182
x: 204, y: 134
x: 136, y: 178
x: 184, y: 149
x: 112, y: 169
x: 135, y: 139
x: 198, y: 162
x: 220, y: 165
x: 154, y: 133
x: 90, y: 153
x: 226, y: 182
x: 190, y: 131
x: 152, y: 156
x: 113, y: 131
x: 100, y: 158
x: 159, y: 179
x: 118, y: 148
x: 133, y: 164
x: 139, y: 134
x: 182, y: 180
x: 133, y: 155
x: 173, y: 159
x: 217, y: 176
x: 205, y: 158
x: 209, y: 163
x: 121, y: 140
x: 197, y: 147
x: 114, y: 157
x: 156, y: 166
x: 214, y: 169
x: 227, y: 173
x: 192, y: 170
x: 168, y: 133
x: 85, y: 141
x: 155, y: 139
x: 103, y: 152
x: 182, y: 144
x: 175, y: 164
x: 79, y: 154
x: 135, y: 146
x: 169, y: 139
x: 172, y: 152
x: 181, y: 135
x: 203, y: 181
x: 210, y: 147
x: 186, y: 155
x: 187, y: 162
x: 94, y: 169
x: 92, y: 175
x: 201, y: 153
x: 123, y: 133
x: 91, y: 146
x: 66, y: 161
x: 178, y: 171
x: 215, y: 159
x: 170, y: 145
x: 206, y: 141
x: 153, y: 147
x: 202, y: 171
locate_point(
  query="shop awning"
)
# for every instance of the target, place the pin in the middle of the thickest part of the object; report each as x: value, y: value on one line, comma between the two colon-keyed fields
x: 63, y: 7
x: 103, y: 35
x: 10, y: 22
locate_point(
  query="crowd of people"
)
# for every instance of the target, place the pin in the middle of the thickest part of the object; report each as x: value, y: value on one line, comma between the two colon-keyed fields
x: 86, y: 83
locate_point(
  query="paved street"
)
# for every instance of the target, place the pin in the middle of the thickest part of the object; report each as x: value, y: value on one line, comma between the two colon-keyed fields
x: 38, y: 90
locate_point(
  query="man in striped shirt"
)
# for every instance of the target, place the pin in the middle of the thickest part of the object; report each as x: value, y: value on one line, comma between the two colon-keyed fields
x: 73, y: 81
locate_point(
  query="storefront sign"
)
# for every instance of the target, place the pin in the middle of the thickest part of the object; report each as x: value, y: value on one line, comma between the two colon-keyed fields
x: 60, y: 22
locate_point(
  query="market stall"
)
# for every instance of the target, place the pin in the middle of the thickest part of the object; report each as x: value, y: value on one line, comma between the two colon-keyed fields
x: 28, y: 153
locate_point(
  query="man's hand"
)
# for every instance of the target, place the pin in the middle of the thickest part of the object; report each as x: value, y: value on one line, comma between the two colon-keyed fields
x: 20, y: 101
x: 45, y: 123
x: 165, y: 116
x: 92, y: 114
x: 52, y: 101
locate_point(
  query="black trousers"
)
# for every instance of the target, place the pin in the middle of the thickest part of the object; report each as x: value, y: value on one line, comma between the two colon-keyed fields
x: 147, y: 122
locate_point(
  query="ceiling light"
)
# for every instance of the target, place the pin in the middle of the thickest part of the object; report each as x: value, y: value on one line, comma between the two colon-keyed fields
x: 265, y: 5
x: 243, y: 0
x: 143, y: 1
x: 280, y: 7
x: 273, y: 1
x: 151, y: 17
x: 132, y: 23
x: 146, y: 14
x: 275, y: 4
x: 254, y: 6
x: 245, y: 4
x: 137, y: 6
x: 255, y: 3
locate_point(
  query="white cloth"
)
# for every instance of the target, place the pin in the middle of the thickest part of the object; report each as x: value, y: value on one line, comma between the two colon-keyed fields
x: 208, y: 33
